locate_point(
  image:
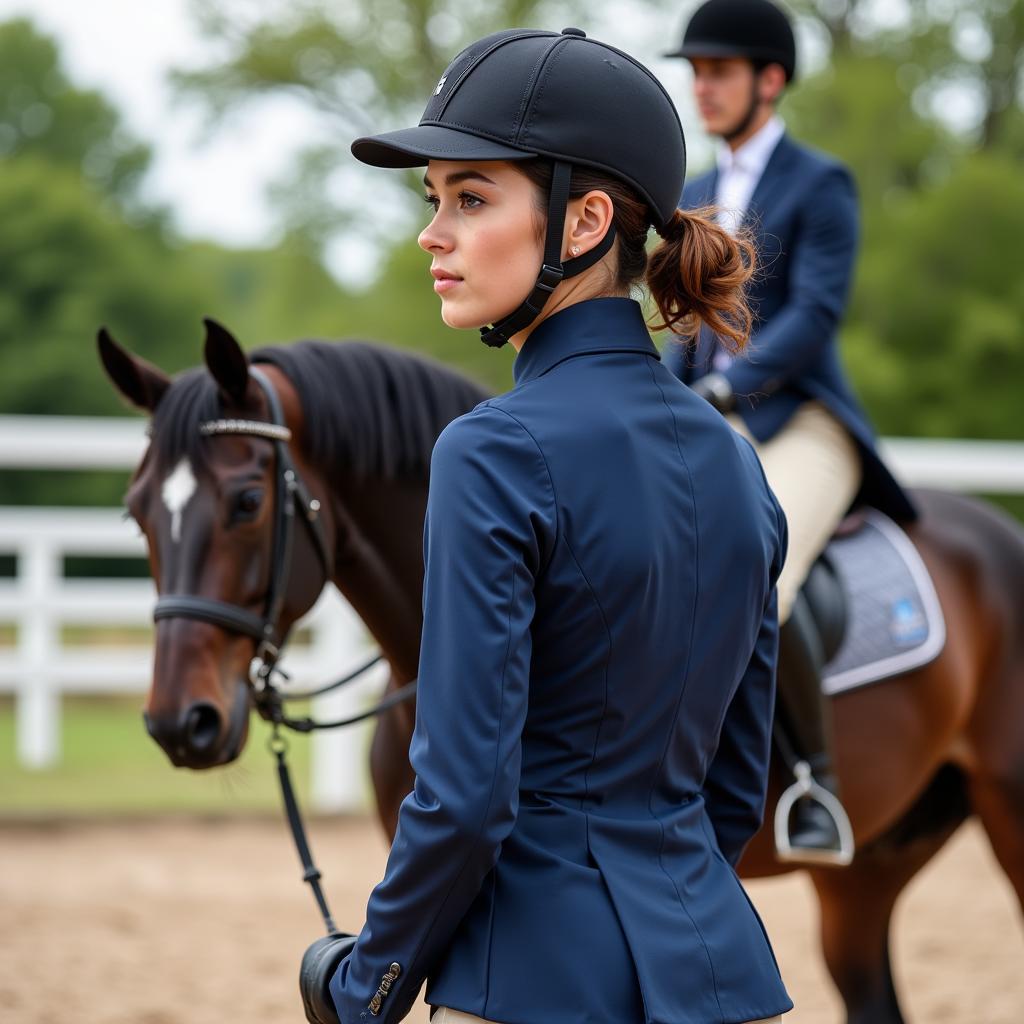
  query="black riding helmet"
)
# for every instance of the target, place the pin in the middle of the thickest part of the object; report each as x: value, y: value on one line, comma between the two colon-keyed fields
x: 524, y: 93
x: 756, y: 29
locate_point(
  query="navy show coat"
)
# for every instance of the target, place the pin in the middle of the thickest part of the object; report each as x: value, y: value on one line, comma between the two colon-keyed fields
x: 595, y: 705
x: 803, y: 215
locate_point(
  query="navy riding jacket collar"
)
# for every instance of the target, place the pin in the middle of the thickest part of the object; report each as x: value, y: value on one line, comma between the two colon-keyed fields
x: 586, y: 328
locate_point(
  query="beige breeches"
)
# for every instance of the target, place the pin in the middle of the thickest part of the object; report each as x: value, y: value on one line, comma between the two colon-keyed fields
x: 446, y: 1016
x: 814, y: 468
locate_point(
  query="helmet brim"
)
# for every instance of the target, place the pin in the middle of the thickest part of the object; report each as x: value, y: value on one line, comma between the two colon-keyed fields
x: 725, y: 51
x: 707, y: 50
x: 416, y: 147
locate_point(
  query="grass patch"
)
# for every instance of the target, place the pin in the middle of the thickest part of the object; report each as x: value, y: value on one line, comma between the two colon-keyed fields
x: 109, y: 765
x: 106, y: 636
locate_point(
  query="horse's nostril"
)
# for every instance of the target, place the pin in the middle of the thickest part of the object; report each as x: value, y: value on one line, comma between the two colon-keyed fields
x: 202, y: 727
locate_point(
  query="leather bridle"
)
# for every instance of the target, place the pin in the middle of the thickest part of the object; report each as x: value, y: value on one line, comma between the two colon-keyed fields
x: 291, y: 497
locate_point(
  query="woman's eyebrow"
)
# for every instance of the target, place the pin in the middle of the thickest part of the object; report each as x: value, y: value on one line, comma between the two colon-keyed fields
x: 458, y: 176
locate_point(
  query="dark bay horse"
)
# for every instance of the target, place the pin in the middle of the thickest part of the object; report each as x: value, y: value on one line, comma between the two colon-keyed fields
x: 916, y: 754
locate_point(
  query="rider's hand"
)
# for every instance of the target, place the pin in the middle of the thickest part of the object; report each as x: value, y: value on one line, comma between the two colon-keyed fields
x: 716, y: 389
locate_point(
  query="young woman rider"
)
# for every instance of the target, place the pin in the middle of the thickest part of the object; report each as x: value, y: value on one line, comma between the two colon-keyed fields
x: 597, y: 669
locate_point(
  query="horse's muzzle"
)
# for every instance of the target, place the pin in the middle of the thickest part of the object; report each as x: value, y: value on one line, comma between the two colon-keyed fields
x: 198, y: 737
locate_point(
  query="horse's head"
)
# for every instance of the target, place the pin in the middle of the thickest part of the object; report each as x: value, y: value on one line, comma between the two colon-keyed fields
x: 231, y: 572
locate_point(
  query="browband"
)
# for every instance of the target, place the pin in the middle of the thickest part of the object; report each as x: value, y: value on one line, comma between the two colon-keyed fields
x: 250, y: 428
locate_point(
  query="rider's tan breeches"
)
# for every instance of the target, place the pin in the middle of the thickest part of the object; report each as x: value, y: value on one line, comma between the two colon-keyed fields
x: 446, y: 1016
x: 814, y: 468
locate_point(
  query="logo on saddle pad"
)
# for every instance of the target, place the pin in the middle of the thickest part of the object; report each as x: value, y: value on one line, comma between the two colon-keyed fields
x: 908, y: 625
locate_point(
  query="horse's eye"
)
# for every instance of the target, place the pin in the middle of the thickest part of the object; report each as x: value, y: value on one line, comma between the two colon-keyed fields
x: 247, y: 503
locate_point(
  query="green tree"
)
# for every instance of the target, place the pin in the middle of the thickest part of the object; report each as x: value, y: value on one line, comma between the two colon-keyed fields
x: 935, y: 335
x: 43, y: 115
x: 67, y: 264
x: 973, y: 48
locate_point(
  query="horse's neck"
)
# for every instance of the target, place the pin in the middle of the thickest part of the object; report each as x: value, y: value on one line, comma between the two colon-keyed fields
x: 380, y: 566
x: 379, y: 543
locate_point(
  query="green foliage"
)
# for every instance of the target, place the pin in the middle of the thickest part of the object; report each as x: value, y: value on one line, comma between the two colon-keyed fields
x: 935, y: 337
x: 860, y: 110
x: 402, y: 309
x: 43, y: 116
x: 70, y: 263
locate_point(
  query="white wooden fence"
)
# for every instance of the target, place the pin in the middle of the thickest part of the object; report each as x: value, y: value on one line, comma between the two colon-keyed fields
x: 41, y: 603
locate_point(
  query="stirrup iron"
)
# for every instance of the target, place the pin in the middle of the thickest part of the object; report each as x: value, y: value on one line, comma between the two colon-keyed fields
x: 806, y: 786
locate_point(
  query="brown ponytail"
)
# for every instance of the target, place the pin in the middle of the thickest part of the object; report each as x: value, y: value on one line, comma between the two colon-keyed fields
x: 698, y: 274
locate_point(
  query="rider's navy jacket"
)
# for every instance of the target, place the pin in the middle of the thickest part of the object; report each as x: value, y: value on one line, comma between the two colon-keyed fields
x: 595, y: 705
x: 803, y: 215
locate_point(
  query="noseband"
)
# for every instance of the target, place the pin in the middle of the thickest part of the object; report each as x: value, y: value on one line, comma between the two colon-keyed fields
x: 291, y: 495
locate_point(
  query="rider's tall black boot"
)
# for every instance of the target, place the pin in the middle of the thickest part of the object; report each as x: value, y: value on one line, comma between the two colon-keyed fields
x: 813, y: 829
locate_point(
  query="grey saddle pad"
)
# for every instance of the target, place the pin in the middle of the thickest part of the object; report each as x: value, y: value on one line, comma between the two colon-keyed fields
x: 895, y: 622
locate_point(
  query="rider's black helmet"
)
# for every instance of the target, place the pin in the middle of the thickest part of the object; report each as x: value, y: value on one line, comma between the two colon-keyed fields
x: 756, y: 29
x: 524, y: 93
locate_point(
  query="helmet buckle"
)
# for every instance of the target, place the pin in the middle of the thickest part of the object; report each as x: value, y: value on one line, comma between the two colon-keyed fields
x: 549, y: 278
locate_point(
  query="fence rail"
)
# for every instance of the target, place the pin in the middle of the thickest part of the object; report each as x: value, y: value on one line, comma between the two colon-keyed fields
x: 40, y: 602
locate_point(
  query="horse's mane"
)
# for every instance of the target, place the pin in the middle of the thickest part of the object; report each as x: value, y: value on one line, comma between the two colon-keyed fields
x: 370, y: 409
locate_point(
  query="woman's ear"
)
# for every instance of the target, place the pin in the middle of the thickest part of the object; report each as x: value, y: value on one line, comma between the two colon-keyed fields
x: 587, y: 220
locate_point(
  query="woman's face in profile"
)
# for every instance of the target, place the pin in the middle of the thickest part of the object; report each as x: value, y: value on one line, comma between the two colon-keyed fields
x: 485, y: 239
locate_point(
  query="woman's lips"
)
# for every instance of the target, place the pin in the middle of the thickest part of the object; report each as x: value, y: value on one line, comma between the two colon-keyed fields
x: 443, y: 281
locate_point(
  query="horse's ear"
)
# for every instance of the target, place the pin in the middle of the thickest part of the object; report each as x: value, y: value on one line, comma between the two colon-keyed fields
x: 142, y: 383
x: 226, y: 361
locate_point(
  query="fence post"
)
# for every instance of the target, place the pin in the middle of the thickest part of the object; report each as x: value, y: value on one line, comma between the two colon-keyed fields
x: 338, y: 757
x: 37, y: 714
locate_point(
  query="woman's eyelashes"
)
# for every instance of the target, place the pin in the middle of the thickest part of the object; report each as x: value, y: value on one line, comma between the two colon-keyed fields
x: 466, y: 201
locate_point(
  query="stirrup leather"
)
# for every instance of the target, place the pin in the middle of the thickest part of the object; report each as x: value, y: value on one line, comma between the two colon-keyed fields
x: 805, y: 786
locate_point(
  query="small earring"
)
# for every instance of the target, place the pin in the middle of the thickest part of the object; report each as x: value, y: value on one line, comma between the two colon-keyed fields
x: 575, y: 250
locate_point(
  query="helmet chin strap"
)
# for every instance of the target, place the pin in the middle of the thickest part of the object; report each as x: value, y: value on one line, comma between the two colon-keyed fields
x: 553, y: 270
x: 748, y: 118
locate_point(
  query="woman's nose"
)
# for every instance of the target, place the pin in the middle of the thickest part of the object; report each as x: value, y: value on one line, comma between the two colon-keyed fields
x: 433, y: 238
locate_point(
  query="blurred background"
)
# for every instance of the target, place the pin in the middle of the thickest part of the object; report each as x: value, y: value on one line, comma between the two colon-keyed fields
x: 166, y: 161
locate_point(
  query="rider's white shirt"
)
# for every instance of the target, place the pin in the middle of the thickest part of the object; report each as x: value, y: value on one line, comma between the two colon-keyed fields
x: 740, y: 171
x: 738, y: 175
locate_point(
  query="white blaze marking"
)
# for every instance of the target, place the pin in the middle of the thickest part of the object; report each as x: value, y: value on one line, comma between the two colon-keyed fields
x: 177, y: 491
